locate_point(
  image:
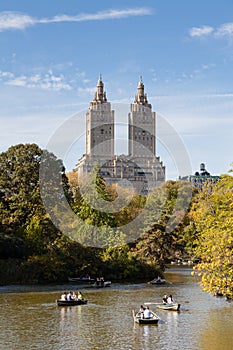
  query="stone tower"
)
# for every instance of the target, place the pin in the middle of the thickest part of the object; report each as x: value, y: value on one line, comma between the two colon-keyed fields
x: 141, y: 126
x: 100, y: 126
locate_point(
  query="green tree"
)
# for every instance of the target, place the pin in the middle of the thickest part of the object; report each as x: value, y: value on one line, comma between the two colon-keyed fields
x: 94, y: 195
x: 162, y: 238
x: 21, y: 209
x: 97, y: 226
x: 19, y: 184
x: 120, y: 263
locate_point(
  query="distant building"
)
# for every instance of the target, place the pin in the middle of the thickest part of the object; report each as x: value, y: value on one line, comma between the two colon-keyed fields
x: 199, y: 179
x: 141, y: 167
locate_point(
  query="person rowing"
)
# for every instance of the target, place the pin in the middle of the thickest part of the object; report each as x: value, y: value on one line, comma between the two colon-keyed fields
x: 147, y: 313
x: 140, y: 313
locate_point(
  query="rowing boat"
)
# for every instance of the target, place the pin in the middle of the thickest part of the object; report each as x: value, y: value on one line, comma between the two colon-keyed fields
x: 154, y: 319
x: 81, y: 280
x: 70, y: 302
x: 101, y: 284
x: 157, y: 282
x: 167, y: 306
x: 171, y: 307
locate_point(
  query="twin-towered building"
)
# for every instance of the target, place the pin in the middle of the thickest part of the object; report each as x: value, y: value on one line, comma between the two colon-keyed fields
x: 141, y: 168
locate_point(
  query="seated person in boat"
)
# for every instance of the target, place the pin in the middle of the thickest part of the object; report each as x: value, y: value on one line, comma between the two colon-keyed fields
x: 80, y: 296
x: 140, y: 313
x: 64, y: 296
x: 70, y: 296
x: 74, y: 296
x: 170, y: 300
x: 147, y: 313
x: 165, y: 299
x: 85, y: 277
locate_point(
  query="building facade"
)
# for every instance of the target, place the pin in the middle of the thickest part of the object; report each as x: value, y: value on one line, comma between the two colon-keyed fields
x: 202, y: 178
x: 140, y: 168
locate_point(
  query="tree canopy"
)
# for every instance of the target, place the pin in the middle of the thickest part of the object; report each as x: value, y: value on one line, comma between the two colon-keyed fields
x: 33, y: 249
x: 162, y: 239
x: 212, y: 213
x: 19, y: 184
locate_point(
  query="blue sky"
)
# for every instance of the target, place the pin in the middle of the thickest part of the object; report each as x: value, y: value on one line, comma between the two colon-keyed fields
x: 53, y: 52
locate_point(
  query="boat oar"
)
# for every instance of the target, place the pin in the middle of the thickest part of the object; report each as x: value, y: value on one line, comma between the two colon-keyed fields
x: 155, y: 315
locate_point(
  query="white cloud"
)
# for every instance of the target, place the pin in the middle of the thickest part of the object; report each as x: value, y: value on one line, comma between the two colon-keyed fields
x: 225, y: 30
x: 208, y: 66
x: 4, y: 75
x: 13, y: 20
x: 18, y: 21
x: 201, y: 31
x: 19, y: 81
x: 108, y: 14
x: 48, y: 81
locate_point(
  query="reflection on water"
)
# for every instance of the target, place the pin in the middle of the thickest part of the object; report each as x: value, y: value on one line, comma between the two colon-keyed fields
x: 32, y: 320
x: 143, y: 335
x: 218, y: 331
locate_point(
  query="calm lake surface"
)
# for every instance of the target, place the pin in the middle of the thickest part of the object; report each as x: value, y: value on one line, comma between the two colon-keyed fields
x: 30, y: 318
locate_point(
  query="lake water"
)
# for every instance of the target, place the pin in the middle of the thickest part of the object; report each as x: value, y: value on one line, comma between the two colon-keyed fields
x: 30, y: 318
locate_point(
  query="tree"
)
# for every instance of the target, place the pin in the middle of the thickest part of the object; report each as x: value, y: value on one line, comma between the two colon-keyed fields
x: 97, y: 226
x: 74, y: 186
x: 21, y: 208
x: 212, y: 216
x: 19, y: 185
x: 162, y: 238
x: 122, y: 263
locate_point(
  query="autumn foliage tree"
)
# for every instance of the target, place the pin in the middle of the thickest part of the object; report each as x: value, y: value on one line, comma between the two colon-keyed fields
x: 212, y: 215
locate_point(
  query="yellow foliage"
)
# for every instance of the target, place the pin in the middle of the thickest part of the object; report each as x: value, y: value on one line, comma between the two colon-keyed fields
x: 212, y: 215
